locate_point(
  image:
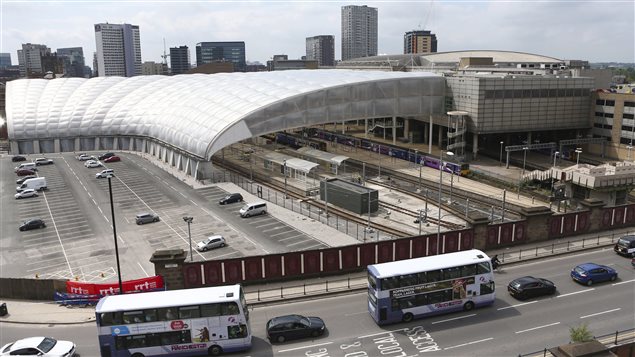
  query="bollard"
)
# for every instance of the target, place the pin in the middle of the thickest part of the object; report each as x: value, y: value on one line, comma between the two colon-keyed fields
x: 281, y: 296
x: 568, y: 245
x: 327, y: 286
x: 258, y: 294
x: 536, y: 251
x: 3, y: 309
x: 304, y: 288
x: 349, y: 283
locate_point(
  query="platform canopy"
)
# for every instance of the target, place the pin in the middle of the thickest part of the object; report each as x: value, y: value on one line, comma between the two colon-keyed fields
x: 202, y: 113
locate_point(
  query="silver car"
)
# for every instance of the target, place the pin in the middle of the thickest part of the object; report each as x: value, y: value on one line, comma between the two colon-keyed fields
x: 215, y: 241
x: 29, y: 192
x: 93, y: 163
x: 143, y: 218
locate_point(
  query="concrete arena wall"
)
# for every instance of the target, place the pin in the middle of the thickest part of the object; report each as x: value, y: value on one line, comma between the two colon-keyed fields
x: 30, y: 289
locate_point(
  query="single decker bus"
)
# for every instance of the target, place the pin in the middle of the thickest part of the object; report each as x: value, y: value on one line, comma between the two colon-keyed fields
x: 203, y: 321
x: 413, y: 288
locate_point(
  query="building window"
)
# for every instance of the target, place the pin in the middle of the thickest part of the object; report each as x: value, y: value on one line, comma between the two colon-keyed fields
x: 610, y: 103
x: 599, y: 101
x: 629, y: 104
x: 628, y: 116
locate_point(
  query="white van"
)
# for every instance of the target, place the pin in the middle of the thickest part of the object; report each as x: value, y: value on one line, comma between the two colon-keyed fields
x: 253, y: 209
x: 26, y: 165
x: 36, y: 183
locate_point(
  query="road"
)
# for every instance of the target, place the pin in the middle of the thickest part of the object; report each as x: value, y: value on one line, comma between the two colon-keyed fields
x: 507, y: 328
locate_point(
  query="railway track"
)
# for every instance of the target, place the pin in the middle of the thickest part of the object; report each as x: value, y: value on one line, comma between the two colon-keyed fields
x: 414, y: 214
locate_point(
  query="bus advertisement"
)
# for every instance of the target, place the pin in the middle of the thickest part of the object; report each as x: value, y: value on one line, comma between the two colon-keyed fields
x: 413, y: 288
x: 206, y: 321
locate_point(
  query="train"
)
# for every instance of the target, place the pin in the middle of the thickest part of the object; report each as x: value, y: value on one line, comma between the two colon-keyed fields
x: 317, y: 139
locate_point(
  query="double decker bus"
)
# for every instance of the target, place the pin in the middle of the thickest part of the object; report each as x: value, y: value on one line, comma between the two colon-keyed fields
x: 179, y: 322
x: 414, y: 288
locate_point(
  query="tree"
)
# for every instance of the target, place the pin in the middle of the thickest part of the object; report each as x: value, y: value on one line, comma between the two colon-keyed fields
x: 580, y: 334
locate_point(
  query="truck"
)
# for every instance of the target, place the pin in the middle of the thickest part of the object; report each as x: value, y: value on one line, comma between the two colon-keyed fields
x: 36, y: 183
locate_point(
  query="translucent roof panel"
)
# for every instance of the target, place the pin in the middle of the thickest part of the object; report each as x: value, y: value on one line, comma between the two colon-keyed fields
x: 202, y: 113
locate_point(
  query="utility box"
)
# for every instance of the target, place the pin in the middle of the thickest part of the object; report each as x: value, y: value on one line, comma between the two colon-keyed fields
x: 349, y: 196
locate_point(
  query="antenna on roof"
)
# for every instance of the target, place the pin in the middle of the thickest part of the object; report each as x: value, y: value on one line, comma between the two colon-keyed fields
x: 165, y: 55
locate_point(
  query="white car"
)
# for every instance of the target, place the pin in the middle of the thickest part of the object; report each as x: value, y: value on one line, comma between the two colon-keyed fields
x: 85, y: 157
x: 39, y: 346
x: 93, y: 163
x: 29, y: 192
x: 43, y: 161
x: 105, y: 173
x: 215, y: 241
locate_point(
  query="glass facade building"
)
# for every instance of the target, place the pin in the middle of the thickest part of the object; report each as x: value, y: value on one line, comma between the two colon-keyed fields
x: 234, y: 52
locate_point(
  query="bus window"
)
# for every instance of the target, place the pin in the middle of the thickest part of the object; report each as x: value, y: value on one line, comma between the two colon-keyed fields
x: 229, y: 308
x: 408, y: 280
x: 433, y: 275
x: 130, y: 317
x: 105, y: 319
x: 451, y: 273
x: 167, y: 314
x: 483, y: 268
x: 188, y: 312
x: 237, y: 331
x: 150, y: 315
x: 372, y: 281
x: 469, y: 270
x: 487, y: 288
x: 210, y: 310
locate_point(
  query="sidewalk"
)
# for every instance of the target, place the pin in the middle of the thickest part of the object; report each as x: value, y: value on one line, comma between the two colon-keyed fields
x: 39, y: 312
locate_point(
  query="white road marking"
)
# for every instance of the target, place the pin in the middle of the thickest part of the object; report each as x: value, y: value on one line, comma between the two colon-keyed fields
x: 304, y: 347
x: 452, y: 319
x: 469, y: 343
x: 517, y: 305
x: 538, y: 327
x: 144, y: 271
x: 381, y: 333
x: 68, y: 263
x: 623, y: 282
x: 575, y: 292
x: 600, y: 313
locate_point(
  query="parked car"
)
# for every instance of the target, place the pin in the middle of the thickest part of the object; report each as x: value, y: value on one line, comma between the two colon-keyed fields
x: 18, y: 158
x: 26, y: 165
x: 86, y: 157
x: 24, y: 178
x: 528, y: 286
x: 231, y: 198
x: 112, y: 159
x: 43, y: 161
x: 25, y: 172
x: 215, y: 241
x: 288, y: 327
x: 93, y: 163
x: 39, y: 346
x: 106, y: 155
x: 33, y: 223
x: 625, y: 246
x: 105, y: 173
x: 36, y: 183
x: 589, y: 273
x: 143, y: 218
x: 26, y: 193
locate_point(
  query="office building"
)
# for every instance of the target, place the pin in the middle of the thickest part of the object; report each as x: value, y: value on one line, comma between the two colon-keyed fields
x: 614, y: 120
x: 419, y: 42
x: 359, y: 31
x: 118, y: 50
x: 151, y: 68
x: 321, y: 49
x: 283, y: 63
x: 30, y: 59
x: 234, y: 52
x: 74, y: 63
x: 179, y: 59
x: 5, y: 60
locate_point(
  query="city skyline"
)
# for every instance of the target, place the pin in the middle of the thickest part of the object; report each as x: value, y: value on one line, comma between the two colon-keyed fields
x: 586, y: 30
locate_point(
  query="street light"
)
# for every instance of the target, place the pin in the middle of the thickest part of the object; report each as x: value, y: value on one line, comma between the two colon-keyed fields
x: 189, y: 234
x: 500, y: 157
x: 285, y: 177
x: 555, y: 155
x: 578, y: 151
x: 114, y: 232
x: 441, y: 168
x: 523, y: 174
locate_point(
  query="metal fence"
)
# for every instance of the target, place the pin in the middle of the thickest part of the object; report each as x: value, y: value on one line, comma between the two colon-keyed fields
x: 610, y: 340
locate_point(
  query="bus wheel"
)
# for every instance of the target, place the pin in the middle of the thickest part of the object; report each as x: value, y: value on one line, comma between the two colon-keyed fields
x: 407, y: 317
x: 214, y: 351
x: 468, y: 306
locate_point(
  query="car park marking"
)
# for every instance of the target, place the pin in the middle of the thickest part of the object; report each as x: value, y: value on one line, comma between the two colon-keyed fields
x: 623, y: 282
x: 58, y: 234
x: 575, y: 292
x: 600, y: 313
x: 454, y: 318
x: 469, y: 343
x: 144, y: 271
x: 304, y: 347
x: 517, y: 305
x: 538, y: 327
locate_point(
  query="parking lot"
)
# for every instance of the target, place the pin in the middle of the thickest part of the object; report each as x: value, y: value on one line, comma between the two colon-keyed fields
x: 78, y: 241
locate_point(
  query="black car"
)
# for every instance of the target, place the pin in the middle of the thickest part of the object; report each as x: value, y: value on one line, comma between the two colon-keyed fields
x: 18, y: 158
x: 528, y: 286
x: 231, y: 198
x: 32, y: 224
x: 24, y: 178
x: 288, y: 327
x: 625, y: 246
x: 106, y: 155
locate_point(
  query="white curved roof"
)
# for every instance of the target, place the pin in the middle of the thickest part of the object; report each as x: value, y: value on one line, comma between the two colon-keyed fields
x: 201, y: 113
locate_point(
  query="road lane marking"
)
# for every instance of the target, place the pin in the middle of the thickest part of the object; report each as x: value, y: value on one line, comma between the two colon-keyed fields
x: 517, y: 305
x: 600, y: 313
x: 623, y: 282
x: 382, y: 333
x: 452, y: 319
x: 469, y: 343
x: 538, y: 327
x: 304, y: 347
x: 575, y: 292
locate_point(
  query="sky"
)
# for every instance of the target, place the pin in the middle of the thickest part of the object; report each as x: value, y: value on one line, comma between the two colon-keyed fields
x: 596, y: 31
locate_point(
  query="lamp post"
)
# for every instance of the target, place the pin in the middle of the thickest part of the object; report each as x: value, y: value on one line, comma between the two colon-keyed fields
x: 500, y: 157
x: 285, y: 177
x: 114, y: 232
x: 578, y: 151
x: 441, y: 168
x: 555, y: 155
x: 189, y: 234
x: 523, y: 173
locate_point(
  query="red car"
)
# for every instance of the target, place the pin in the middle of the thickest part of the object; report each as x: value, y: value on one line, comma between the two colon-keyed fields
x: 25, y: 172
x: 112, y: 159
